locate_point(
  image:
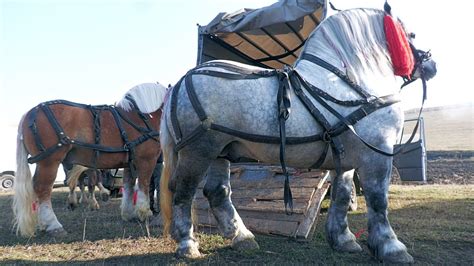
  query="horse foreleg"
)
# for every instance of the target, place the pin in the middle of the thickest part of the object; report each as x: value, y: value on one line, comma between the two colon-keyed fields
x: 337, y: 231
x: 217, y: 190
x: 382, y: 241
x: 142, y: 204
x: 127, y: 206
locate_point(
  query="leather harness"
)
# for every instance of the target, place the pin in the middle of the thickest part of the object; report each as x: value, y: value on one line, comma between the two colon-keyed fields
x: 289, y: 79
x: 63, y: 139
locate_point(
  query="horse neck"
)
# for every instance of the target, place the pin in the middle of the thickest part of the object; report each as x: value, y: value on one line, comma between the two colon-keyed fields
x: 137, y: 117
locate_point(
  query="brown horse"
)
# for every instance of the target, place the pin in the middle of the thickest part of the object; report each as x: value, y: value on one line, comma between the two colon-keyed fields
x: 124, y: 135
x: 76, y: 176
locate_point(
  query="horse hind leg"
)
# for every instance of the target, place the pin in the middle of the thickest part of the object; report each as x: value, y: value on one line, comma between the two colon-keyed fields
x: 382, y: 240
x: 92, y: 180
x: 217, y: 190
x: 43, y: 180
x: 103, y: 192
x: 83, y: 199
x: 72, y: 198
x: 72, y: 179
x: 188, y: 173
x: 338, y: 234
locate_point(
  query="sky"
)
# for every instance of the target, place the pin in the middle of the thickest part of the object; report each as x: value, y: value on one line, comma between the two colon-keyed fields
x: 93, y: 51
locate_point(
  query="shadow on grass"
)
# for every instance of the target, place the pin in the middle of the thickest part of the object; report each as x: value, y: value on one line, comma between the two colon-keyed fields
x: 436, y: 232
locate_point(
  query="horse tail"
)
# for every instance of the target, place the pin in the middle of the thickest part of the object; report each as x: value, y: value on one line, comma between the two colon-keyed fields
x: 74, y: 174
x: 24, y: 200
x: 170, y: 159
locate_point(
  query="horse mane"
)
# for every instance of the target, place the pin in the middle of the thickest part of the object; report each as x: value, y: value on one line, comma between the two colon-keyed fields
x: 357, y: 38
x: 148, y: 97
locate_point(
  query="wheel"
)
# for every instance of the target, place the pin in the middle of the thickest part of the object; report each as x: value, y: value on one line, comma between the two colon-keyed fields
x: 6, y: 182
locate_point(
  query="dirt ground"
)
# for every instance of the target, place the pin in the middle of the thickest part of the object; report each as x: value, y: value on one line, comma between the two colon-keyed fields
x: 447, y: 167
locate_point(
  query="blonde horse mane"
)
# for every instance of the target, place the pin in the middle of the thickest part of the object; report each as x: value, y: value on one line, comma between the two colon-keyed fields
x: 148, y: 96
x: 358, y: 40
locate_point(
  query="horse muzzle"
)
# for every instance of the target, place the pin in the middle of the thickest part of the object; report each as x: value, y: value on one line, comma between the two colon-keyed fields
x: 428, y: 69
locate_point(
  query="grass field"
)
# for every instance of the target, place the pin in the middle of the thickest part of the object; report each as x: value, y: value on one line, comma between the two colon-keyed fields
x: 436, y: 222
x: 447, y: 128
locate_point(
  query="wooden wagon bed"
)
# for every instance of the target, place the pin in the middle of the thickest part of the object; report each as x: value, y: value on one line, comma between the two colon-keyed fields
x: 257, y: 194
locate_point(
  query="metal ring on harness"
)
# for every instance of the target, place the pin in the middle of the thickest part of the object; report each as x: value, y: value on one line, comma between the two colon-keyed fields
x: 206, y: 123
x: 327, y: 137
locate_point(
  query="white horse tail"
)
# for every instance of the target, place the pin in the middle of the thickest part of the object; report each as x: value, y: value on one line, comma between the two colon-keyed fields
x: 170, y: 159
x: 74, y: 174
x: 24, y: 200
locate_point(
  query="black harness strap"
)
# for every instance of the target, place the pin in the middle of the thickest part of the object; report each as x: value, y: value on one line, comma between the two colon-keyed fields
x: 34, y: 129
x: 284, y: 109
x: 129, y: 146
x: 96, y: 119
x: 144, y: 117
x: 320, y: 62
x: 173, y: 111
x: 287, y: 78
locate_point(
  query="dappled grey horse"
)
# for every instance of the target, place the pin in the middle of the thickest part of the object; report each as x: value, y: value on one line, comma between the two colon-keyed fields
x: 345, y: 115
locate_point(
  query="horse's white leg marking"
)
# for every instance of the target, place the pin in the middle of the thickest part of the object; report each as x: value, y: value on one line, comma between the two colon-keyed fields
x: 189, y: 172
x: 93, y: 204
x: 375, y: 178
x: 337, y: 231
x: 83, y: 198
x: 142, y: 207
x: 47, y: 219
x: 218, y: 191
x: 104, y: 193
x: 127, y: 197
x: 72, y: 199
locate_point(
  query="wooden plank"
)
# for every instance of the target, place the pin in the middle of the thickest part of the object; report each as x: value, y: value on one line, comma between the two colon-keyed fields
x: 257, y: 194
x: 263, y: 226
x: 305, y: 228
x: 277, y: 206
x: 272, y: 182
x: 266, y: 193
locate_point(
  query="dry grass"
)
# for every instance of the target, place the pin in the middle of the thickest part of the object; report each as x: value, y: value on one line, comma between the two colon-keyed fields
x: 436, y: 222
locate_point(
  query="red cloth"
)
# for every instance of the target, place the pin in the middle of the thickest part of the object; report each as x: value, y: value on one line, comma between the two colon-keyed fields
x: 398, y: 47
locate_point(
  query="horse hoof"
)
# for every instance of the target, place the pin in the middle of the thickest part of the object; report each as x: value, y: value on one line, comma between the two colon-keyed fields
x: 58, y: 232
x: 104, y: 197
x: 94, y: 207
x: 189, y: 252
x: 71, y: 206
x: 398, y: 257
x: 246, y: 244
x: 143, y: 215
x: 350, y: 246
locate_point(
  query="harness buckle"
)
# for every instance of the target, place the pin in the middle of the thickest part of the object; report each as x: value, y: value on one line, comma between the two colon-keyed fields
x: 206, y: 123
x: 327, y: 137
